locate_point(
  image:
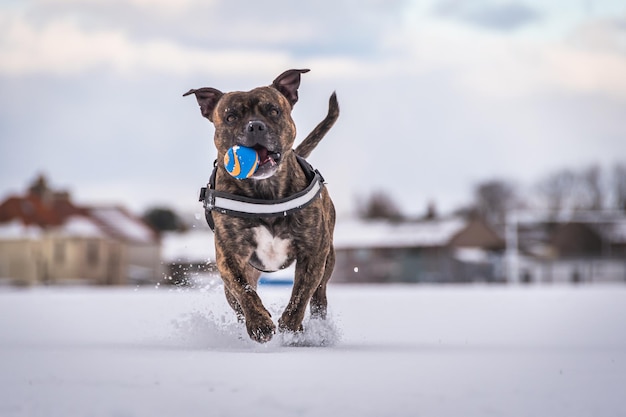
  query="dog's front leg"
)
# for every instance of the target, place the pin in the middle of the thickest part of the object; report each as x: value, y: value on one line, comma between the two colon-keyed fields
x: 234, y: 271
x: 252, y: 275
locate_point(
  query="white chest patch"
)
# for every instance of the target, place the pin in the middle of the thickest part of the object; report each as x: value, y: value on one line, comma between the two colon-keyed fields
x: 271, y: 251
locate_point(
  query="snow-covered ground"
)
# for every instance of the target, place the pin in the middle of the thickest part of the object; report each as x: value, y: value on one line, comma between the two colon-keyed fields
x: 386, y: 351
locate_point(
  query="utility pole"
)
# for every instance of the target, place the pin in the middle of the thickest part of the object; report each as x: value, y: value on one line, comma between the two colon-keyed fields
x: 512, y: 248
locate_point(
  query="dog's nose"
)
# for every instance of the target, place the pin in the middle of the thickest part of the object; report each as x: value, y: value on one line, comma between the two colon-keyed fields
x: 256, y: 127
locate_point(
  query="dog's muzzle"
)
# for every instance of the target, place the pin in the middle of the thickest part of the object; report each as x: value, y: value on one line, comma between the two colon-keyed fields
x: 256, y: 135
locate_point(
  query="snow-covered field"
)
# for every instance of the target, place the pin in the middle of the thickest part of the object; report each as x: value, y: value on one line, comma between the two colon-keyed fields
x: 386, y: 351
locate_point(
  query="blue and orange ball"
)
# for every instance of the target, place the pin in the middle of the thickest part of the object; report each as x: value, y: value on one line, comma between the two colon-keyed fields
x: 241, y: 162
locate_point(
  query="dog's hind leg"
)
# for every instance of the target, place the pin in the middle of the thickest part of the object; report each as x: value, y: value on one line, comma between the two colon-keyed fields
x: 319, y: 303
x: 309, y: 274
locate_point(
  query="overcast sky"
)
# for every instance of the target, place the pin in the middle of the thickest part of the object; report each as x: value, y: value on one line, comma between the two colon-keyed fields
x: 436, y: 95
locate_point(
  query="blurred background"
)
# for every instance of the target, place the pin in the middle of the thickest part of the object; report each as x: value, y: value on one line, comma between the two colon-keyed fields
x: 487, y: 137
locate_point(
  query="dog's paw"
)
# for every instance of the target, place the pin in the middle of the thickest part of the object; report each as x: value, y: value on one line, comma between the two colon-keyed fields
x: 261, y: 329
x: 288, y: 325
x: 316, y: 333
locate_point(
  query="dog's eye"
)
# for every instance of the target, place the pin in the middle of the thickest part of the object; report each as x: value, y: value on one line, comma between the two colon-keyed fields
x: 231, y: 117
x: 274, y: 112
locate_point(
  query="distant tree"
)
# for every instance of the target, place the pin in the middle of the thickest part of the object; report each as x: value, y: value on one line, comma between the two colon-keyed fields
x: 573, y: 190
x: 590, y: 191
x: 379, y: 205
x: 163, y: 219
x: 467, y: 211
x: 618, y: 183
x: 556, y: 189
x: 493, y: 199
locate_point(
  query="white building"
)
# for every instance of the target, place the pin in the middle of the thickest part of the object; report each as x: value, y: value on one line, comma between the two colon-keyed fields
x: 45, y: 239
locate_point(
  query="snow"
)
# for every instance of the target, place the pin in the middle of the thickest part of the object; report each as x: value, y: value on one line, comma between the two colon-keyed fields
x: 385, y: 351
x: 471, y: 255
x: 17, y: 230
x: 123, y: 224
x: 80, y: 226
x: 354, y: 234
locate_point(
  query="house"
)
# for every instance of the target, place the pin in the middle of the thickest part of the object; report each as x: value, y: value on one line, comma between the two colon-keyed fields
x: 550, y: 249
x: 435, y: 250
x: 572, y: 247
x: 47, y: 239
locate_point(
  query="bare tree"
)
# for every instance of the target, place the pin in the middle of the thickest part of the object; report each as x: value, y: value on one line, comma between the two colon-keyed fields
x: 379, y: 205
x: 574, y: 190
x: 589, y: 191
x: 556, y: 189
x: 493, y: 199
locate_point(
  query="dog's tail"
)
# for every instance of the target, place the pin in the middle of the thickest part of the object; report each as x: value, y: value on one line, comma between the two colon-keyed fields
x: 309, y: 143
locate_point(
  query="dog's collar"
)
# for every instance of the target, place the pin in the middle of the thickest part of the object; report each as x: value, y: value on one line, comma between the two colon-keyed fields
x: 239, y: 206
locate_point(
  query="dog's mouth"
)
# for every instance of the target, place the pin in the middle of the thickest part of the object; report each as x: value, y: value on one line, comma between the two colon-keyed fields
x: 268, y: 162
x: 266, y: 156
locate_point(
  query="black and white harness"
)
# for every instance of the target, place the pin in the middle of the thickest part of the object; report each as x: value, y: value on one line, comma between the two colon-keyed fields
x: 239, y: 206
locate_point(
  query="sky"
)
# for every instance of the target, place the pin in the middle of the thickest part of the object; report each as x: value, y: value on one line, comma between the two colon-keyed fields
x: 436, y: 96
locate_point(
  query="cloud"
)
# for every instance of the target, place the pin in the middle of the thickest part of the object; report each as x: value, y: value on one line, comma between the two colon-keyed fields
x: 159, y: 7
x: 607, y: 35
x: 495, y: 64
x: 63, y: 48
x: 189, y: 22
x: 485, y: 63
x: 301, y: 29
x: 130, y: 37
x: 496, y: 16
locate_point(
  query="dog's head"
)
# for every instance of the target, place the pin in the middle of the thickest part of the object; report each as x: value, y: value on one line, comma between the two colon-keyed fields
x: 259, y: 119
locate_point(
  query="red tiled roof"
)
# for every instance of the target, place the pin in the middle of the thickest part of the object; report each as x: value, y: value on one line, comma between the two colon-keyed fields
x: 55, y: 210
x: 33, y: 210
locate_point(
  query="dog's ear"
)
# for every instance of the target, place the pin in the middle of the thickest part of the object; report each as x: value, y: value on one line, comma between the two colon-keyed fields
x: 288, y: 82
x: 207, y: 99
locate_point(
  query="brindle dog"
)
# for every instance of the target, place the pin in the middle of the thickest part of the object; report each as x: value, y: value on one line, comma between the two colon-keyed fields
x: 261, y: 119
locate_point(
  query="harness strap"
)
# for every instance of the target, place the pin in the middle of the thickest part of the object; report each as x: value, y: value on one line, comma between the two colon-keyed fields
x: 239, y: 206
